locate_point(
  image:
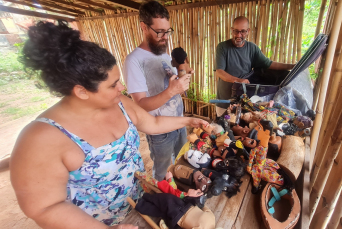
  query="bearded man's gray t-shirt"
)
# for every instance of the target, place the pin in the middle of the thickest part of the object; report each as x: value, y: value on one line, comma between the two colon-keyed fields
x: 146, y: 72
x: 237, y: 61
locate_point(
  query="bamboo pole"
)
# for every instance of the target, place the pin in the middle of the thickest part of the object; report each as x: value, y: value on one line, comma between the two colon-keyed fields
x: 295, y: 33
x: 320, y: 17
x: 318, y: 161
x: 328, y: 200
x: 300, y: 23
x: 328, y: 160
x: 336, y: 218
x: 325, y: 77
x: 261, y: 22
x: 335, y: 88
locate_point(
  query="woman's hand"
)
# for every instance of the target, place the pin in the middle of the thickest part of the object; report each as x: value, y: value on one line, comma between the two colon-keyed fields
x: 123, y: 226
x: 198, y: 123
x: 194, y: 193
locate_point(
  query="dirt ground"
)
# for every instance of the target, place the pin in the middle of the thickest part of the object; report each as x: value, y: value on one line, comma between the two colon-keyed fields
x: 10, y: 214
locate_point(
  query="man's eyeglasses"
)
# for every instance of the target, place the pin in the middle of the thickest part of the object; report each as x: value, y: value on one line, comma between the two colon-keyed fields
x: 168, y: 33
x: 243, y: 32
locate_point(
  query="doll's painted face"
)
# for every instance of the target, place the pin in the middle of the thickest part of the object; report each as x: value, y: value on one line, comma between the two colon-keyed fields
x: 202, y: 182
x: 241, y: 131
x: 209, y: 129
x: 247, y: 117
x: 250, y: 143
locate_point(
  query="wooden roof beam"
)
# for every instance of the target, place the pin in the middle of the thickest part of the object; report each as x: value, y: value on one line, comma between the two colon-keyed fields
x: 55, y: 6
x: 33, y: 13
x: 74, y: 5
x: 204, y: 4
x: 41, y: 8
x: 108, y: 7
x: 175, y: 7
x: 126, y: 4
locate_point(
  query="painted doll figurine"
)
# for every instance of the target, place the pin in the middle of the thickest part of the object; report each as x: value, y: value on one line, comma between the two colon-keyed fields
x: 191, y: 177
x: 258, y: 166
x: 204, y: 139
x: 233, y: 149
x: 168, y: 185
x: 180, y: 61
x: 197, y: 159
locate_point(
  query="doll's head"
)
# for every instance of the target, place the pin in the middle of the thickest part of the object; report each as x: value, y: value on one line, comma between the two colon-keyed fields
x: 247, y: 117
x: 180, y: 61
x: 241, y: 131
x: 250, y: 143
x: 265, y: 130
x: 217, y: 129
x: 209, y: 128
x: 202, y: 182
x: 197, y: 159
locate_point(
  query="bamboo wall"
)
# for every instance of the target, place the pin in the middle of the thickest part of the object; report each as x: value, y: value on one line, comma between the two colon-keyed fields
x: 275, y: 25
x: 326, y: 180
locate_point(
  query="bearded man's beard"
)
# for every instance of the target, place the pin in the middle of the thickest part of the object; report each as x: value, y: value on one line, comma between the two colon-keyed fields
x: 239, y: 42
x: 155, y: 46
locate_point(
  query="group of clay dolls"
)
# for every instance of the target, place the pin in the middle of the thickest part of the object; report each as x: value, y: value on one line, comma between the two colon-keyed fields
x: 247, y: 138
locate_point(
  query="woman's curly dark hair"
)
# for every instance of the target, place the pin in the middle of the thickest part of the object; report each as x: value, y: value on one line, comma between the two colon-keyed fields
x: 64, y: 59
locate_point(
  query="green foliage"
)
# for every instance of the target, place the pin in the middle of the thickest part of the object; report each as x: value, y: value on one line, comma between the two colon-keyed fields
x: 311, y: 14
x: 11, y: 69
x: 202, y: 95
x: 313, y: 74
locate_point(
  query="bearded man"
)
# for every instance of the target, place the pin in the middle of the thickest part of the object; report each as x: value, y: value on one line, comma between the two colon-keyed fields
x: 153, y: 84
x: 235, y: 58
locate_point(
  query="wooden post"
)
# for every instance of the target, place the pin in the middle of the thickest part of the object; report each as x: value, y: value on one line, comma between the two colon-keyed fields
x: 326, y: 140
x: 325, y: 77
x: 335, y: 87
x: 330, y: 195
x: 300, y: 28
x: 320, y: 17
x: 328, y: 160
x: 336, y: 217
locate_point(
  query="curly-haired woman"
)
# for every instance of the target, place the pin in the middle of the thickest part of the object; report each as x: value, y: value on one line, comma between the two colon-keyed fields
x: 73, y: 167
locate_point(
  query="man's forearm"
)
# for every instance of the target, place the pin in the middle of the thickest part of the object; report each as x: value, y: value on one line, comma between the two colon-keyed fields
x: 281, y: 66
x: 154, y: 102
x: 226, y: 76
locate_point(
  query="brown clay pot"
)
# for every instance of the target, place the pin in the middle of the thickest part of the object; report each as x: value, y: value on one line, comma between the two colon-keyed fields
x: 287, y: 210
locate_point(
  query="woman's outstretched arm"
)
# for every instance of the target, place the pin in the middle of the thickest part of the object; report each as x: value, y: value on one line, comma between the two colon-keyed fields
x: 157, y: 125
